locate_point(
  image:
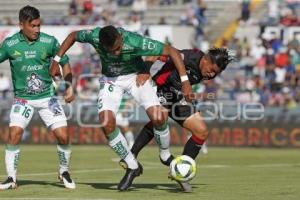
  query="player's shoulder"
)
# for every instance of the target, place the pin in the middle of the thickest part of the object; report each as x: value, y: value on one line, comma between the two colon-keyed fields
x: 91, y: 33
x: 129, y: 34
x: 11, y: 40
x: 46, y: 38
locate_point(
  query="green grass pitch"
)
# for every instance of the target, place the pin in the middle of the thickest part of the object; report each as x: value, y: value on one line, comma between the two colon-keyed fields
x: 224, y: 173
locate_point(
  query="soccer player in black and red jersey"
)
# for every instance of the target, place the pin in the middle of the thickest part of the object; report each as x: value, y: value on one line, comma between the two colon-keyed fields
x: 199, y: 67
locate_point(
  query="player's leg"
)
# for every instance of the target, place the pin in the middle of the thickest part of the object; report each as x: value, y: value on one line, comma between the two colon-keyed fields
x: 123, y: 123
x: 108, y: 103
x: 128, y: 134
x: 20, y: 115
x: 198, y: 128
x: 204, y: 148
x: 142, y: 139
x: 157, y: 114
x: 54, y: 117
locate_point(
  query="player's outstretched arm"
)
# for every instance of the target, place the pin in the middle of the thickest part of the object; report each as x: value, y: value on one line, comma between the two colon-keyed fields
x: 69, y: 92
x: 176, y: 57
x: 67, y: 43
x: 3, y: 54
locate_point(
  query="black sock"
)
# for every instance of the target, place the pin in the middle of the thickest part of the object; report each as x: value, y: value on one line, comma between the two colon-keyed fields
x: 143, y: 138
x: 191, y: 148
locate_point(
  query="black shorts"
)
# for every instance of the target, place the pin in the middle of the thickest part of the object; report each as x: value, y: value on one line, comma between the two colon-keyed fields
x: 173, y: 100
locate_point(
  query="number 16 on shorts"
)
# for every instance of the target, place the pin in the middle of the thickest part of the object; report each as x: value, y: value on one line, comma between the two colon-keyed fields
x: 21, y: 114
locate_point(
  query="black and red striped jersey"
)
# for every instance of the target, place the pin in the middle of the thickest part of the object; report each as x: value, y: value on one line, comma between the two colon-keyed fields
x: 167, y: 75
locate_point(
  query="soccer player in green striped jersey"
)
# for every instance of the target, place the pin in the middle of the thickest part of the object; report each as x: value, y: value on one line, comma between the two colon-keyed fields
x: 29, y: 52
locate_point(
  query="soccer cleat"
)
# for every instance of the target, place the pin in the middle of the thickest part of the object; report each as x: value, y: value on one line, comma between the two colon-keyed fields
x: 123, y: 164
x: 9, y: 183
x: 66, y: 179
x: 168, y: 161
x: 130, y: 174
x: 185, y: 186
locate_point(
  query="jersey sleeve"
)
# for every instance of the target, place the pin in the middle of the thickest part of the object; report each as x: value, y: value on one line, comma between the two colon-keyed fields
x: 3, y: 53
x: 64, y: 59
x: 85, y: 36
x: 145, y: 46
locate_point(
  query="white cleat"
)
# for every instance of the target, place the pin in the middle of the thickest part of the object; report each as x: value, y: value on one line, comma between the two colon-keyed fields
x: 66, y: 179
x: 9, y: 183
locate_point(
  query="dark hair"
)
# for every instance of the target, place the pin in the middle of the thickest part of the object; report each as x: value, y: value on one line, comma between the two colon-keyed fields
x: 108, y: 36
x: 221, y: 57
x: 28, y: 13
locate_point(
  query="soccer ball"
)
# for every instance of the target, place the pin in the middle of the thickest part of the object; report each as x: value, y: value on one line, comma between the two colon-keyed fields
x: 183, y: 168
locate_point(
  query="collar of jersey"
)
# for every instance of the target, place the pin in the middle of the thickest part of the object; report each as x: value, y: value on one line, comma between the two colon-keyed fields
x: 22, y: 38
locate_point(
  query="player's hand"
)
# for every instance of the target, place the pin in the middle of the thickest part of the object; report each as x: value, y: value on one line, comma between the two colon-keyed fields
x: 54, y: 69
x: 187, y: 91
x: 69, y: 95
x: 142, y: 78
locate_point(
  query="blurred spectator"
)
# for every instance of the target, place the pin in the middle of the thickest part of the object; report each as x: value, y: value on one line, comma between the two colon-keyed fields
x: 245, y: 10
x: 162, y: 21
x: 125, y: 2
x: 135, y: 23
x: 8, y: 21
x: 294, y: 43
x: 112, y: 7
x: 88, y: 6
x: 258, y: 50
x: 167, y: 2
x: 188, y: 17
x: 276, y: 43
x: 273, y: 12
x: 293, y: 5
x: 282, y: 58
x: 4, y: 86
x: 248, y: 62
x: 200, y: 12
x: 73, y: 7
x: 288, y: 18
x: 139, y: 7
x: 289, y: 101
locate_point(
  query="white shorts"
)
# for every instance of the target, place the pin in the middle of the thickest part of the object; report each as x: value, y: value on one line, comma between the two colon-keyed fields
x: 121, y: 120
x: 113, y: 88
x: 49, y: 110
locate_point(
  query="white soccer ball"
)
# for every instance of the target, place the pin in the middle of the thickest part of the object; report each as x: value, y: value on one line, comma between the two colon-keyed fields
x: 183, y: 168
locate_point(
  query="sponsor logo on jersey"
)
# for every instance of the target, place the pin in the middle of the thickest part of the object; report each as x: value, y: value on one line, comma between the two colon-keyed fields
x: 148, y: 44
x: 127, y: 47
x: 30, y: 54
x: 45, y: 40
x: 34, y: 84
x: 17, y: 109
x: 96, y: 40
x: 54, y: 106
x: 29, y: 68
x: 17, y: 53
x: 11, y: 43
x: 20, y: 101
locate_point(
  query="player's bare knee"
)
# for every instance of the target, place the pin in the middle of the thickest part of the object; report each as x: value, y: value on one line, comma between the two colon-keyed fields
x: 201, y: 133
x: 109, y: 127
x: 13, y: 141
x: 158, y: 120
x: 15, y: 135
x: 64, y: 140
